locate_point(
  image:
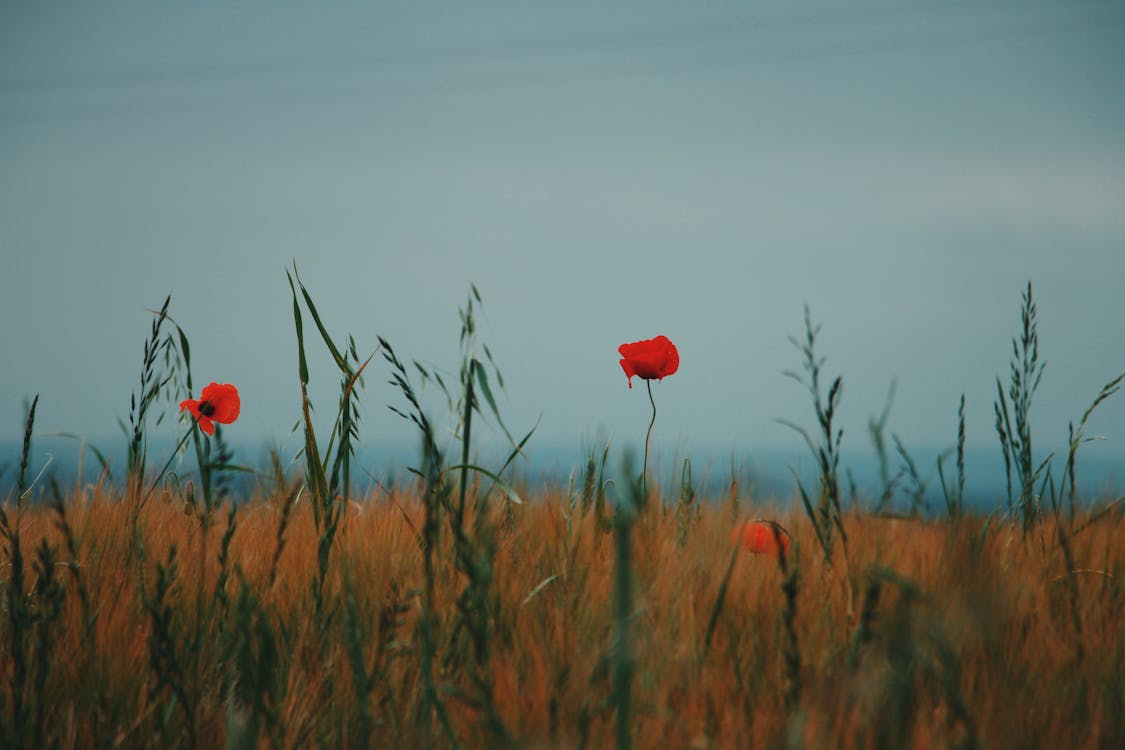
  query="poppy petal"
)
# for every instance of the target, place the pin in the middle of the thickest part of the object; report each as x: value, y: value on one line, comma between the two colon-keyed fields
x: 221, y: 403
x: 672, y: 360
x: 650, y: 359
x: 224, y: 400
x: 627, y: 366
x: 191, y: 405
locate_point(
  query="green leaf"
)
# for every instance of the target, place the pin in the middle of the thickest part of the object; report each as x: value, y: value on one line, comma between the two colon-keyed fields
x: 507, y: 488
x: 517, y: 449
x: 341, y: 361
x: 314, y: 469
x: 233, y: 467
x: 299, y: 324
x: 482, y: 379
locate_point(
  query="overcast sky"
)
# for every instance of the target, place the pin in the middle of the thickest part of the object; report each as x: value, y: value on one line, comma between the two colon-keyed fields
x: 602, y: 174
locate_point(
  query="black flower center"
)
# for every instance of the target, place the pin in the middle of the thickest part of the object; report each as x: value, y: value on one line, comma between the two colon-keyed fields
x: 206, y: 408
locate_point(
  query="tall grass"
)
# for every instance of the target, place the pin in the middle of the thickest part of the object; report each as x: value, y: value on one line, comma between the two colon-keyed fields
x: 826, y: 513
x: 20, y: 616
x: 1004, y: 615
x: 1013, y: 414
x: 461, y: 608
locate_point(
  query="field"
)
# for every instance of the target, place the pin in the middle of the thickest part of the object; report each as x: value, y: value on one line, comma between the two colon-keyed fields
x: 461, y: 608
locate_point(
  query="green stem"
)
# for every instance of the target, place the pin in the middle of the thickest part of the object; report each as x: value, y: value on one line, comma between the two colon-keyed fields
x: 171, y: 458
x: 644, y: 469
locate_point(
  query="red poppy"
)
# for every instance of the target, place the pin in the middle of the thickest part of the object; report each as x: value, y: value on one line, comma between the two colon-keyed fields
x: 761, y: 537
x: 649, y: 359
x: 219, y: 402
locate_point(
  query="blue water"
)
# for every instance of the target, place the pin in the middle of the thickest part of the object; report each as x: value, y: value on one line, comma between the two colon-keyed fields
x: 764, y: 475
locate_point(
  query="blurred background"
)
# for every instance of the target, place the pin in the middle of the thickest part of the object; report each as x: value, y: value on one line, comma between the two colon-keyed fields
x: 602, y: 174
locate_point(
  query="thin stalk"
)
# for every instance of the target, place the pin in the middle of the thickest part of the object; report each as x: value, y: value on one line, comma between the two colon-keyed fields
x: 648, y: 435
x: 171, y: 458
x: 465, y: 443
x: 716, y: 610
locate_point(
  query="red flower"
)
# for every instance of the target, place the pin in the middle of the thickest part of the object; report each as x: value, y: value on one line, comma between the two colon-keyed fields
x: 761, y: 537
x: 219, y: 402
x: 652, y: 358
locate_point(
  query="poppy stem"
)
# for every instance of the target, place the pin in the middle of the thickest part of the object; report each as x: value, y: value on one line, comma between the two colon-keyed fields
x: 171, y: 458
x: 644, y: 468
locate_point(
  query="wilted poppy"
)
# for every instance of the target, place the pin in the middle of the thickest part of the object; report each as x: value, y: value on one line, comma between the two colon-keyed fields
x: 219, y: 402
x: 649, y: 359
x: 761, y: 537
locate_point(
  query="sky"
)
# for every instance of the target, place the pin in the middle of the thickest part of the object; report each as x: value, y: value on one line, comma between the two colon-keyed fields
x: 602, y: 173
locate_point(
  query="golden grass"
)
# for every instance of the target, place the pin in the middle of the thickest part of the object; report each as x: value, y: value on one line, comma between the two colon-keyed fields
x: 933, y: 635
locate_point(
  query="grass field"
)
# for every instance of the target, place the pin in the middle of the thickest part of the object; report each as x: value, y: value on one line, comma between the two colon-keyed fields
x: 936, y: 633
x: 459, y: 608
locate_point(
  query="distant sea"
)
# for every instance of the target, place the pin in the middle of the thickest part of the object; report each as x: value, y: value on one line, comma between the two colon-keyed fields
x: 765, y: 475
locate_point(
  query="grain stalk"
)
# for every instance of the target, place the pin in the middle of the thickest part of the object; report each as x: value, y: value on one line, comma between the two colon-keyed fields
x: 827, y: 515
x: 877, y: 429
x: 1013, y: 415
x: 436, y: 495
x: 1076, y: 438
x: 685, y: 508
x: 1063, y: 531
x: 21, y: 617
x: 282, y: 527
x: 475, y: 548
x: 329, y: 478
x: 790, y: 584
x: 152, y: 383
x: 916, y: 484
x: 49, y: 596
x: 955, y: 496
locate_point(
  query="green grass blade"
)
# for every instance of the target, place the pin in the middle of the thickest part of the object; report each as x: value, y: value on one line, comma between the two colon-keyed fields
x: 341, y: 361
x: 507, y: 488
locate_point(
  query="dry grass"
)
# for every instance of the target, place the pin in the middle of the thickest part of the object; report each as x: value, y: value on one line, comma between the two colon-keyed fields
x: 959, y: 635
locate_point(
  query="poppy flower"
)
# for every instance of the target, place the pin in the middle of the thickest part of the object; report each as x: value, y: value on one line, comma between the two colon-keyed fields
x: 761, y: 537
x: 649, y: 359
x: 219, y: 402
